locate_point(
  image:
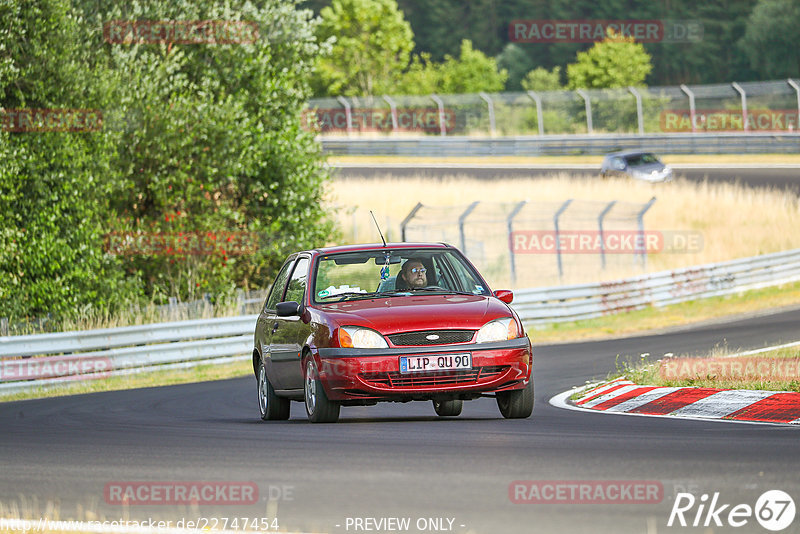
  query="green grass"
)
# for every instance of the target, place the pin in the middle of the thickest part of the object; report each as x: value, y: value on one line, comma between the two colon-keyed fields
x: 697, y: 372
x: 652, y: 318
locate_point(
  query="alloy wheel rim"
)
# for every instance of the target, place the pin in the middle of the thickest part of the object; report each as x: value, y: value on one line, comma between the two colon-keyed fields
x: 262, y: 390
x: 311, y: 396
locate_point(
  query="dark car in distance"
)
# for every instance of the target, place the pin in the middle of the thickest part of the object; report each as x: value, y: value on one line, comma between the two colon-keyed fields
x: 352, y: 326
x: 635, y: 164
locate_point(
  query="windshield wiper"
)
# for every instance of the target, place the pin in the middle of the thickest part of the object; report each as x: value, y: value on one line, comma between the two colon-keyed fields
x: 346, y: 295
x: 439, y: 289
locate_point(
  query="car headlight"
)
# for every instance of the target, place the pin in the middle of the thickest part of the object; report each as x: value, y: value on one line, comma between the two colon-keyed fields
x: 361, y: 338
x: 497, y: 330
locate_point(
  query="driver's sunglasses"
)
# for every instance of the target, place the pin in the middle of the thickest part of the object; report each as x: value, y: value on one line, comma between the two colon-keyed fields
x: 416, y: 270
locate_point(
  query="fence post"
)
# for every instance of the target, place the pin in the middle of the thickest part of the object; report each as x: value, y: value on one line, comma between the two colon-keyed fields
x: 539, y: 117
x: 600, y: 228
x: 461, y: 219
x: 4, y: 326
x: 440, y: 105
x: 490, y: 104
x: 510, y: 226
x: 561, y: 210
x: 640, y: 222
x: 393, y: 111
x: 796, y: 88
x: 639, y: 115
x: 408, y: 218
x: 588, y: 105
x: 692, y: 109
x: 347, y: 114
x: 741, y: 92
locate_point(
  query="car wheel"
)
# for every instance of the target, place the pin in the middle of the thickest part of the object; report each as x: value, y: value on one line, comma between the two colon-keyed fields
x: 271, y: 406
x: 318, y: 407
x: 448, y: 408
x: 517, y: 404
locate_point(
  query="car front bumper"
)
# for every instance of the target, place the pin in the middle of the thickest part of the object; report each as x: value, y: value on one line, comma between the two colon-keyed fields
x: 351, y: 374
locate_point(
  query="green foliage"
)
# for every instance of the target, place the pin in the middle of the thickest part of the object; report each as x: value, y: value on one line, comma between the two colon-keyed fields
x: 540, y: 79
x: 517, y: 62
x: 197, y: 138
x: 770, y: 42
x: 371, y: 47
x: 615, y: 62
x: 471, y: 72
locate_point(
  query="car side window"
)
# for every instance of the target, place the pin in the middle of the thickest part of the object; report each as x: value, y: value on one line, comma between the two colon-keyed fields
x: 278, y: 286
x: 298, y: 281
x: 618, y: 164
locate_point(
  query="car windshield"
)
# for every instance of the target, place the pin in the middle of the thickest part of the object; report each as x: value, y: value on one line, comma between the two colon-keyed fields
x: 393, y: 272
x: 641, y: 159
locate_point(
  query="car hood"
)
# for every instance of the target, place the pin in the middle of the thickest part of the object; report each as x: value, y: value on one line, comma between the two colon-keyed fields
x: 417, y: 312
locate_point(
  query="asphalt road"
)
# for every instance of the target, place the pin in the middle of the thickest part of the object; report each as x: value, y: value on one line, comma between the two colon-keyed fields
x: 777, y: 176
x: 400, y: 460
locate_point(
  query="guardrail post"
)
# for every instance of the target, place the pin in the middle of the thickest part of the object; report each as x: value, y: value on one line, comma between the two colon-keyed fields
x: 408, y: 218
x: 490, y: 104
x: 539, y: 117
x: 440, y: 105
x: 640, y: 223
x: 639, y: 114
x: 588, y: 105
x: 561, y: 210
x: 510, y: 226
x: 692, y: 109
x: 741, y: 92
x: 347, y: 113
x: 600, y: 229
x: 796, y: 88
x: 393, y: 111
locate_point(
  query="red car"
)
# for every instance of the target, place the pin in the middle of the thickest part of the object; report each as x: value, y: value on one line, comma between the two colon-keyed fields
x: 361, y: 324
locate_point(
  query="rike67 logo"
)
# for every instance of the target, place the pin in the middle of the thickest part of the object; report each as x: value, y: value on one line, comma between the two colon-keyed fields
x: 774, y: 510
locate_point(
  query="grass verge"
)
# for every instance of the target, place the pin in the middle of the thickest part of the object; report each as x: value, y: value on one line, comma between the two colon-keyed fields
x: 653, y: 319
x: 775, y: 370
x: 202, y: 373
x: 720, y: 159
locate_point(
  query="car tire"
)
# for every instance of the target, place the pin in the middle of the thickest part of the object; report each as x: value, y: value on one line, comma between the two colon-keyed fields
x: 318, y: 407
x: 271, y: 406
x: 517, y: 404
x: 448, y: 408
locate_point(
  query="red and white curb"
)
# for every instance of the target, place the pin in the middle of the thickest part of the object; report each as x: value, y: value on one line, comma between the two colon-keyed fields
x: 622, y: 396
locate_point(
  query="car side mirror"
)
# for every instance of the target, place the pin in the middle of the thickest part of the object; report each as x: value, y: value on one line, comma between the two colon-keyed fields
x: 506, y: 295
x: 288, y: 309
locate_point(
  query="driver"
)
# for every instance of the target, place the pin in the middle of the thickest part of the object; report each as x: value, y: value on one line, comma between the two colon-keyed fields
x: 413, y: 274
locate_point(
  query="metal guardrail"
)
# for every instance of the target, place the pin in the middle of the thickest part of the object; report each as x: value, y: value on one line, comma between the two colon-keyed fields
x: 565, y: 145
x: 586, y: 301
x: 115, y: 351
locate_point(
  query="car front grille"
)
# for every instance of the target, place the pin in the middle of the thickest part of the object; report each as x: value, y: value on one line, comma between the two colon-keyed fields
x: 445, y: 337
x: 422, y: 380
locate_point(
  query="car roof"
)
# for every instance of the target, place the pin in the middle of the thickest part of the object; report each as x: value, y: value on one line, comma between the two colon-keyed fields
x: 629, y: 153
x: 378, y: 246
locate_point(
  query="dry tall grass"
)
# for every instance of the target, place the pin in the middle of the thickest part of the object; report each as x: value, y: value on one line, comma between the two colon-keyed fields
x: 734, y: 221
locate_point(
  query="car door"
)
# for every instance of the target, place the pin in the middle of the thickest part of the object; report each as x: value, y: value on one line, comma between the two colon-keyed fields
x: 289, y: 333
x: 267, y: 317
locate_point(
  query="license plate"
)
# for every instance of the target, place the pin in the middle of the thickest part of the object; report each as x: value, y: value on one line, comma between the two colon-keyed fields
x: 433, y: 362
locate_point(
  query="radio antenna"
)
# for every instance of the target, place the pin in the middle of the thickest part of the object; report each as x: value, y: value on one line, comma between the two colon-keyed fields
x: 378, y: 227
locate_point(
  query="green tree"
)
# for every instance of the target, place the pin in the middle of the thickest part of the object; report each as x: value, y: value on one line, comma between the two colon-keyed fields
x: 53, y: 184
x: 541, y: 79
x: 769, y: 42
x: 615, y: 62
x: 517, y: 62
x: 371, y: 47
